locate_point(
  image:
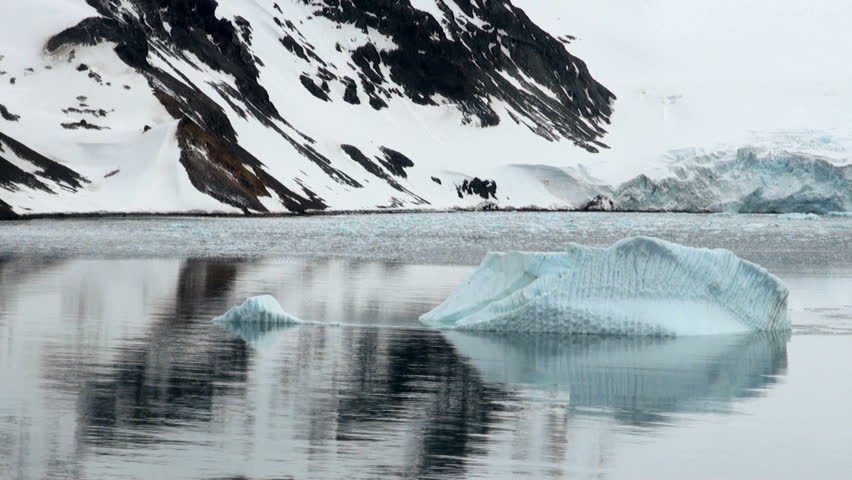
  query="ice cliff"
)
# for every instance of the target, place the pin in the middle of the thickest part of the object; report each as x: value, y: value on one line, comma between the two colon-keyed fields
x: 638, y: 286
x: 749, y: 180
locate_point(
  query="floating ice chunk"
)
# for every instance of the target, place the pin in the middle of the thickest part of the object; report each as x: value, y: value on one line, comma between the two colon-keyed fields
x: 799, y: 216
x: 259, y: 312
x: 839, y: 214
x: 638, y: 286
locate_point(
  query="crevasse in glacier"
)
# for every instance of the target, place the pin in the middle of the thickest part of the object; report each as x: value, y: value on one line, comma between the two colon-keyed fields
x: 638, y: 286
x: 259, y: 311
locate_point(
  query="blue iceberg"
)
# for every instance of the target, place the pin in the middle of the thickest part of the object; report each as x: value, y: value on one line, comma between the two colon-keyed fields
x: 638, y: 286
x: 258, y: 312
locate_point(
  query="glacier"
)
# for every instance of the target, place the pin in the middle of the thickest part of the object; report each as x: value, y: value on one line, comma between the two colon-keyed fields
x: 637, y: 286
x: 752, y: 179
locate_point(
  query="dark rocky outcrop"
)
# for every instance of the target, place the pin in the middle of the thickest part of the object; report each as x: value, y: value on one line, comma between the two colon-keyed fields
x: 350, y: 95
x: 232, y: 175
x: 395, y: 162
x: 312, y: 87
x: 7, y: 115
x: 82, y: 124
x: 601, y: 203
x: 359, y: 157
x: 98, y: 113
x: 465, y: 67
x: 294, y: 47
x: 484, y: 188
x: 6, y: 212
x: 11, y: 176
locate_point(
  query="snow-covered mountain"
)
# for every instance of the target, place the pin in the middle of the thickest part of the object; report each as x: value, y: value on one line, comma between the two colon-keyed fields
x: 297, y: 105
x: 278, y: 105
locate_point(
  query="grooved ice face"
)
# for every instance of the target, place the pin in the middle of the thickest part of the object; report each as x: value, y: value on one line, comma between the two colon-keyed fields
x: 638, y: 286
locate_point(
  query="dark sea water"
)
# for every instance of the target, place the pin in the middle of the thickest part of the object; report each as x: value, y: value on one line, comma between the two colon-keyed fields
x: 111, y: 368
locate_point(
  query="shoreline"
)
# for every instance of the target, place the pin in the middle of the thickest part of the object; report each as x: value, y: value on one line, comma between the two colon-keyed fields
x: 85, y: 215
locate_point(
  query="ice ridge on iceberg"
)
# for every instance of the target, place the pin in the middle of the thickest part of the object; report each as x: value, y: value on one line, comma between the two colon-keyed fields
x: 637, y: 286
x: 258, y: 312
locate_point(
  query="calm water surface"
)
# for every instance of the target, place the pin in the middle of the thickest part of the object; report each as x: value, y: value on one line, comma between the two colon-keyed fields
x: 110, y: 367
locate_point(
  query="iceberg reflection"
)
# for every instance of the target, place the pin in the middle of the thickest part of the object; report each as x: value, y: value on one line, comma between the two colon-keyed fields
x: 257, y: 334
x: 636, y: 378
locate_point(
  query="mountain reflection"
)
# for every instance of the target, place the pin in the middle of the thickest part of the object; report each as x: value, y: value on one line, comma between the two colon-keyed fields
x: 167, y: 377
x: 132, y: 376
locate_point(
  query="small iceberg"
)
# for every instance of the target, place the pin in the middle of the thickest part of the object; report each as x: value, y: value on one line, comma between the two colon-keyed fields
x: 260, y: 312
x: 257, y: 320
x: 638, y: 286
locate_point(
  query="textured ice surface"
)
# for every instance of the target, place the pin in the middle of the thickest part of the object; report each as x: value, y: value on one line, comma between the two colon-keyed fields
x: 258, y: 312
x: 638, y: 286
x: 750, y: 180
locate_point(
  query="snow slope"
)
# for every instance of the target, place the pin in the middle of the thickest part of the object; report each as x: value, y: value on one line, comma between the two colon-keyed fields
x: 289, y: 106
x: 277, y: 106
x: 709, y: 74
x: 617, y: 291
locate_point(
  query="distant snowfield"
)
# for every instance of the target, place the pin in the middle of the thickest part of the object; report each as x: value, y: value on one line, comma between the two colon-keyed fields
x: 694, y: 81
x: 711, y: 74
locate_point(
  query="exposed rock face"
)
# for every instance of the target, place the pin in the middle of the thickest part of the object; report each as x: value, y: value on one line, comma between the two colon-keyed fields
x: 7, y: 115
x: 230, y: 174
x: 469, y: 60
x: 601, y: 203
x: 6, y: 212
x: 49, y: 176
x: 486, y: 189
x: 373, y: 167
x: 395, y: 162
